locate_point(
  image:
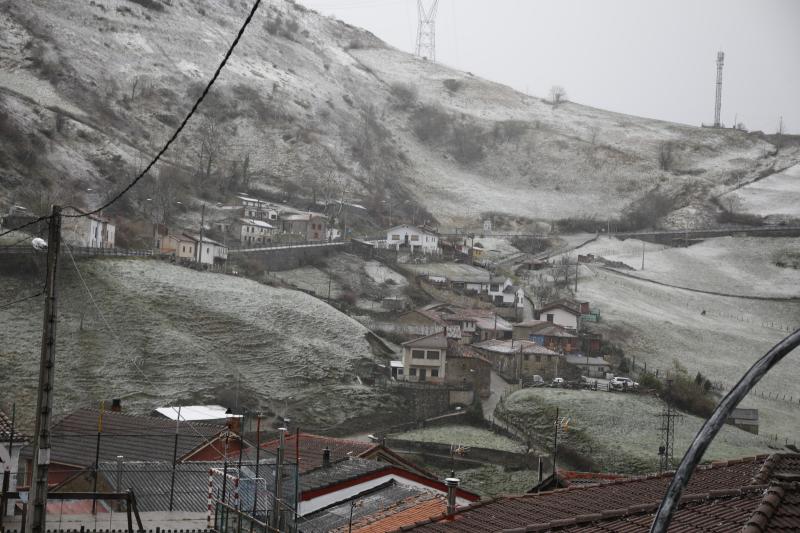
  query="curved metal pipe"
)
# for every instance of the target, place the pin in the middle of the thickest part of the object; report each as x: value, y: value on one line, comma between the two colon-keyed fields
x: 712, y: 426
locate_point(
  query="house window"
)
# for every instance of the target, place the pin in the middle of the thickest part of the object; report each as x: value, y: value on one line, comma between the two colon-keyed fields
x: 494, y: 287
x: 399, y: 371
x: 412, y: 372
x: 415, y: 237
x: 395, y: 237
x: 538, y: 358
x: 183, y: 248
x: 434, y: 372
x: 417, y: 354
x: 549, y: 317
x: 433, y: 354
x: 527, y: 356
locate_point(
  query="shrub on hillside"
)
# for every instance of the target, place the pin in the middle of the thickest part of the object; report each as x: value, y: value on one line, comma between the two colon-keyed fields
x: 155, y: 5
x: 430, y: 122
x: 467, y: 142
x: 405, y: 94
x: 453, y: 85
x: 647, y: 211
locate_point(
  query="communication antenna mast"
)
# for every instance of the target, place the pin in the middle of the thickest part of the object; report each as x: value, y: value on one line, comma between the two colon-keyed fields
x: 426, y: 30
x: 668, y: 416
x: 718, y: 103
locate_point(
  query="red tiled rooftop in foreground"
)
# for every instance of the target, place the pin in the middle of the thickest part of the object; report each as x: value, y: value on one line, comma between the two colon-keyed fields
x: 405, y: 513
x: 555, y: 507
x: 311, y: 446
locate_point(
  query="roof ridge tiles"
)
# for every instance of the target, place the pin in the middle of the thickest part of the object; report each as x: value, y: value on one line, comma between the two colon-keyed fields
x: 759, y: 520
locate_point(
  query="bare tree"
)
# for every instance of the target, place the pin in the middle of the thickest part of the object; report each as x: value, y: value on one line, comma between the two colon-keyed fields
x: 211, y: 145
x: 558, y: 95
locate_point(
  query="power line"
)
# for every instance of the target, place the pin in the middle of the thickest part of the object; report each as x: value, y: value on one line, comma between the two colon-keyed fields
x: 31, y: 223
x: 9, y: 304
x: 182, y: 125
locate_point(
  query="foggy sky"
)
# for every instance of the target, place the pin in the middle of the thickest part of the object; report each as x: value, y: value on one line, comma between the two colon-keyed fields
x: 652, y: 58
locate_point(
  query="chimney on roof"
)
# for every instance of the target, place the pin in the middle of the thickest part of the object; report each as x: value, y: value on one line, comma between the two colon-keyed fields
x: 116, y: 405
x: 326, y: 457
x: 452, y: 487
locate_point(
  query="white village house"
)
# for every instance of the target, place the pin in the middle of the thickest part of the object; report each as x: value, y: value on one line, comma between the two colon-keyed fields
x: 187, y: 247
x: 209, y: 252
x: 560, y: 314
x: 415, y: 238
x: 92, y: 231
x: 424, y: 359
x: 252, y: 231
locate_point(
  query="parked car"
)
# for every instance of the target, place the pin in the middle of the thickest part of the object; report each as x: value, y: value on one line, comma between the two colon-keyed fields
x: 621, y: 383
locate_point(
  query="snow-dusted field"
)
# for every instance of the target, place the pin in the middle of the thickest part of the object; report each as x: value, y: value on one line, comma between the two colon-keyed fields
x: 462, y: 436
x: 657, y: 324
x: 369, y: 280
x: 199, y: 338
x: 621, y: 431
x: 729, y: 265
x: 778, y: 194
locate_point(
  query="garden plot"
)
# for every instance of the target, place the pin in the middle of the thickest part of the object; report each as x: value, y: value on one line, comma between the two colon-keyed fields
x: 775, y: 195
x: 450, y: 271
x: 619, y: 431
x: 195, y: 338
x: 349, y: 276
x: 716, y: 335
x: 462, y: 436
x: 729, y: 265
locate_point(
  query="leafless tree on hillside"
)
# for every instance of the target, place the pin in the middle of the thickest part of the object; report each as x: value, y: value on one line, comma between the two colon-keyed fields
x: 558, y: 95
x: 211, y: 146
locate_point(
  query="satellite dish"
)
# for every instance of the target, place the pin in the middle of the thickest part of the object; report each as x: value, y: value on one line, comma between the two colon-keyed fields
x: 39, y: 244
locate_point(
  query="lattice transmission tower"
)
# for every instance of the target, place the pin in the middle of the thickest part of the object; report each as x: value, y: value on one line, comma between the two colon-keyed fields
x: 426, y: 30
x: 718, y: 103
x: 668, y: 416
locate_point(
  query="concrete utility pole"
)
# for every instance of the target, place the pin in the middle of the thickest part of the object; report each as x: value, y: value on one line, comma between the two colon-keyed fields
x: 643, y: 244
x: 718, y: 101
x: 37, y: 506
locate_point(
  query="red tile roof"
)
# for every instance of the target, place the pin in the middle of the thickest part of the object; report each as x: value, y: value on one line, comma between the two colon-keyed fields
x: 510, y: 512
x: 311, y: 447
x: 404, y: 513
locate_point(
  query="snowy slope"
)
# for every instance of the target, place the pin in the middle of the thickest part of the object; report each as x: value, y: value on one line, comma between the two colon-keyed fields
x: 89, y: 90
x: 197, y: 338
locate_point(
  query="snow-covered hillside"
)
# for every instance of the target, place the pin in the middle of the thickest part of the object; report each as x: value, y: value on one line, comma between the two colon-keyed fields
x: 195, y: 338
x: 313, y: 109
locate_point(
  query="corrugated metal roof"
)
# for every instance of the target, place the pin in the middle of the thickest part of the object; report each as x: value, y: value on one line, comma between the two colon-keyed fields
x: 137, y: 438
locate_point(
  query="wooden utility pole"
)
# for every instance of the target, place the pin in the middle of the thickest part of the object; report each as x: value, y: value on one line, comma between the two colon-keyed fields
x: 200, y: 245
x: 37, y: 508
x: 643, y: 245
